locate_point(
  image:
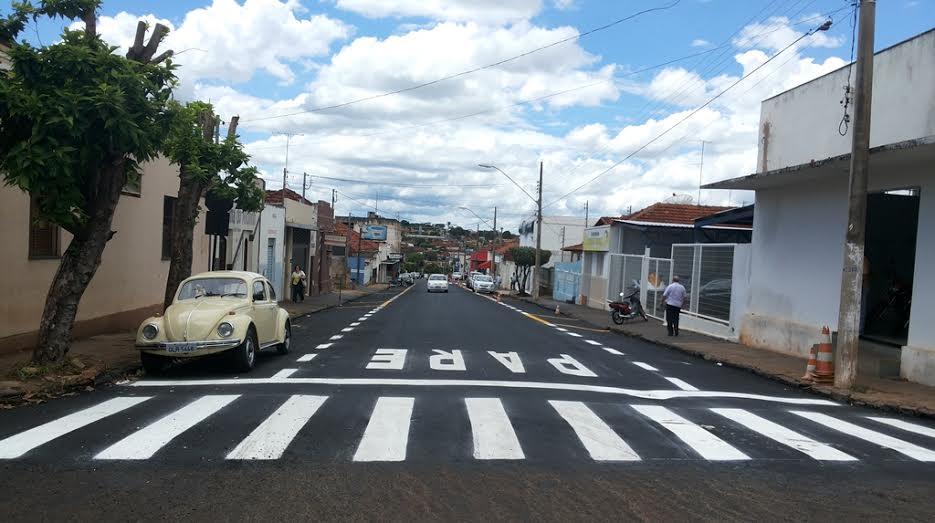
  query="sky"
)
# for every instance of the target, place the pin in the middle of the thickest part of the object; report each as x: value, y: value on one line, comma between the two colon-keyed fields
x: 584, y: 108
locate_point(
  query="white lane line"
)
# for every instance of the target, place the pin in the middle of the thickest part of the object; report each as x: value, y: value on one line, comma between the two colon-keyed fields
x: 336, y: 337
x: 306, y: 357
x: 145, y: 442
x: 19, y: 444
x: 387, y: 432
x: 347, y: 329
x: 877, y: 438
x: 285, y: 373
x: 592, y: 342
x: 492, y: 432
x: 324, y: 346
x: 904, y: 425
x: 613, y: 351
x: 356, y: 323
x: 561, y: 329
x: 709, y: 446
x: 646, y: 366
x: 502, y: 384
x: 271, y: 438
x: 575, y: 334
x: 681, y: 384
x: 599, y: 439
x: 776, y: 432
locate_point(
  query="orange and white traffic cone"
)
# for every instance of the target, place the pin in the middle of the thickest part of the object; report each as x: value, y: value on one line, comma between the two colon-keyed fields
x: 812, y: 363
x: 824, y: 365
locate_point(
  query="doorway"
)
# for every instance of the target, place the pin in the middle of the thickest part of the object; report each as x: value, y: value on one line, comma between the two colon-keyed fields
x: 892, y: 229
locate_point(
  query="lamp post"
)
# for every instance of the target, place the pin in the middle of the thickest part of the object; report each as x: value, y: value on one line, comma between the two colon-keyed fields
x: 493, y: 262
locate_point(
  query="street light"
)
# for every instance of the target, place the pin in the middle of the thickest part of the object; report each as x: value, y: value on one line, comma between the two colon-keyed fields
x: 488, y: 166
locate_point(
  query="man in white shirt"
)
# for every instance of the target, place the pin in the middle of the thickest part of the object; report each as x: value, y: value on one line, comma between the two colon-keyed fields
x: 675, y: 297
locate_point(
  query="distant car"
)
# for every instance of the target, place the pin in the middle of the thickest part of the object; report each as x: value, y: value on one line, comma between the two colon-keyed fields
x: 437, y: 283
x: 456, y: 276
x: 483, y: 283
x: 470, y: 278
x: 220, y: 311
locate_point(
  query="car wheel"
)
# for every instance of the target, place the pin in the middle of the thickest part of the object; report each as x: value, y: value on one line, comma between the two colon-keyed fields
x: 283, y: 347
x: 153, y: 364
x: 244, y: 356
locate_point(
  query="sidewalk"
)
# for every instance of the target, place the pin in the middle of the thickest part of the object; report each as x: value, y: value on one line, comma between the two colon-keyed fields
x: 882, y: 393
x: 313, y: 304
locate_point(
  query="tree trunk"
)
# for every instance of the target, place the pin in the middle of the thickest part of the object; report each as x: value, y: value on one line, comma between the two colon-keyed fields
x: 79, y: 264
x: 184, y: 219
x: 522, y: 290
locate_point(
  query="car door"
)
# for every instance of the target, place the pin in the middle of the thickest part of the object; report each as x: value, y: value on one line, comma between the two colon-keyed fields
x: 264, y: 310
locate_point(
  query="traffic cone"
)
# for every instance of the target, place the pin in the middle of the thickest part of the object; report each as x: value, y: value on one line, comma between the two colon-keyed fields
x: 558, y: 310
x: 812, y: 362
x: 824, y: 364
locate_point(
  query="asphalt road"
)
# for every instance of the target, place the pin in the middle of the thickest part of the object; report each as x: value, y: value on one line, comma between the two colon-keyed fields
x: 416, y: 406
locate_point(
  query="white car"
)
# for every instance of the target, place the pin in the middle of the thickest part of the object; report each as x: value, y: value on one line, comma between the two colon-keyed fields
x: 483, y: 283
x: 437, y: 283
x: 456, y: 276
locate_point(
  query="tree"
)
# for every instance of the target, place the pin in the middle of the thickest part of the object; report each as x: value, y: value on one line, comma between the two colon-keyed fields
x: 201, y: 159
x: 507, y: 235
x: 76, y: 121
x: 415, y: 262
x: 434, y: 268
x: 525, y: 259
x: 431, y: 256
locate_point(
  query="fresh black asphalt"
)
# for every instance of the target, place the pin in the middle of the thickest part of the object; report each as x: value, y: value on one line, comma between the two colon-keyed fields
x: 441, y: 476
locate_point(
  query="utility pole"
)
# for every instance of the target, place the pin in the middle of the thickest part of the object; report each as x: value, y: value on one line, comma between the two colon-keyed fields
x: 360, y: 279
x: 701, y: 172
x: 563, y: 244
x: 493, y: 250
x: 586, y: 221
x: 535, y: 274
x: 852, y: 275
x: 304, y: 183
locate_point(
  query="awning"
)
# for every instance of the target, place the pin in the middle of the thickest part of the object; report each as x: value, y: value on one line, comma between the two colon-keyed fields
x: 484, y: 265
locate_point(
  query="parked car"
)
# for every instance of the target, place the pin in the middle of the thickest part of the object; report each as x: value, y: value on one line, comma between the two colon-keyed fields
x: 456, y: 276
x: 483, y: 283
x: 221, y: 311
x: 470, y: 279
x: 437, y: 283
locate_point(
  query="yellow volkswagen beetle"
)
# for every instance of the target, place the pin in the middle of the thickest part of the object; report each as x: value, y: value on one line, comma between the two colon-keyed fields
x: 215, y: 312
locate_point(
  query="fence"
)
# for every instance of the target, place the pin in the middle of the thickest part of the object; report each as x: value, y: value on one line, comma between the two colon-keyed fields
x: 566, y: 281
x: 626, y: 273
x: 706, y: 271
x: 657, y: 278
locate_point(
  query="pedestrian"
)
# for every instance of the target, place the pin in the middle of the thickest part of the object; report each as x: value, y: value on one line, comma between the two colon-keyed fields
x: 298, y: 285
x: 674, y: 295
x: 513, y: 282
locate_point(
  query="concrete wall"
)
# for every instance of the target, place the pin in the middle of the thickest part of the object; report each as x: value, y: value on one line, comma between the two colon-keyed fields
x: 273, y: 226
x: 918, y: 356
x: 903, y: 108
x: 552, y: 235
x: 130, y: 282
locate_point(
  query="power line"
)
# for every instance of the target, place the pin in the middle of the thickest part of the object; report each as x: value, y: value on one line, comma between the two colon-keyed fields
x: 469, y: 71
x: 395, y: 184
x: 823, y: 27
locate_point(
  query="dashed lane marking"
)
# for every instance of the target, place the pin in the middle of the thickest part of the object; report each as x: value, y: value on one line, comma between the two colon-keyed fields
x: 285, y: 373
x: 645, y: 366
x: 324, y: 346
x: 355, y: 324
x: 681, y: 384
x: 306, y: 357
x: 575, y: 334
x: 336, y: 337
x: 615, y: 352
x: 347, y: 329
x: 592, y: 342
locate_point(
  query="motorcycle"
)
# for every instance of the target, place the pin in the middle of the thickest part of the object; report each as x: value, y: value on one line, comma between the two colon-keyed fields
x: 628, y: 307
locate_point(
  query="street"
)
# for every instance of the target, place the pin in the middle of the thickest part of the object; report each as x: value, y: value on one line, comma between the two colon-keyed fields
x: 407, y: 405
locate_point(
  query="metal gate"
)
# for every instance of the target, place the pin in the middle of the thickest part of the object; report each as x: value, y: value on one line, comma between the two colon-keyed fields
x: 706, y: 271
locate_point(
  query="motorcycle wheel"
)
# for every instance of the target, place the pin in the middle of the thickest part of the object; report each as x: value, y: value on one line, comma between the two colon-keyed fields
x: 618, y: 319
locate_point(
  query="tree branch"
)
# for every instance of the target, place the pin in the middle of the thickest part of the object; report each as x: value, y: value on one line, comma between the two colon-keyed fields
x: 137, y: 48
x: 159, y: 33
x: 232, y: 128
x: 161, y: 58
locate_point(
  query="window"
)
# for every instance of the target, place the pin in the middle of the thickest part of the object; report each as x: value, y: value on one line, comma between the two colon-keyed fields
x: 272, y: 292
x: 259, y: 292
x: 218, y: 287
x: 134, y: 185
x: 168, y: 208
x: 43, y: 236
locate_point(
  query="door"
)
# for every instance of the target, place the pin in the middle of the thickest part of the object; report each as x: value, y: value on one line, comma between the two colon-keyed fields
x: 264, y: 313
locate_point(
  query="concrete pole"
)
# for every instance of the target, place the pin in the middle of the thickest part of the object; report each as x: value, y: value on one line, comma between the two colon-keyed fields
x: 852, y: 276
x: 493, y: 250
x: 535, y: 274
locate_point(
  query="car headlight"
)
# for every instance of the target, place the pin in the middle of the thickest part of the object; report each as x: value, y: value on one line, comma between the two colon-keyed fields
x: 150, y: 331
x: 225, y: 330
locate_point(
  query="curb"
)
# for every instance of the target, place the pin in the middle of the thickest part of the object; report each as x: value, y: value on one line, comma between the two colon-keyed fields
x: 835, y: 394
x: 335, y: 306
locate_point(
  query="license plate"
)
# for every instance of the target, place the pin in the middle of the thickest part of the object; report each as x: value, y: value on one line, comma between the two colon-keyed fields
x: 185, y: 347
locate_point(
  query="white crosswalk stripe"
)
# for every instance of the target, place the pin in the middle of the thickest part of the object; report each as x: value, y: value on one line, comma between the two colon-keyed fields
x: 599, y: 439
x: 145, y: 442
x: 700, y: 440
x: 785, y: 436
x: 905, y: 425
x: 878, y: 438
x: 387, y: 432
x: 271, y: 438
x: 493, y: 435
x: 19, y: 444
x: 306, y: 357
x: 681, y: 384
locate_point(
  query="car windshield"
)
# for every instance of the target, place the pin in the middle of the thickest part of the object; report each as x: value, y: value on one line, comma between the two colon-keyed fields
x: 483, y: 278
x: 223, y: 287
x: 436, y: 277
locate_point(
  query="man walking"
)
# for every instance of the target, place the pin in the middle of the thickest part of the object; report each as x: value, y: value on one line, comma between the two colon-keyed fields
x: 675, y: 297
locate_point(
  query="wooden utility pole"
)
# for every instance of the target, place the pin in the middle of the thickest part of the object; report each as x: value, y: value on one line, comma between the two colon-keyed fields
x: 852, y: 276
x: 535, y: 274
x: 562, y: 257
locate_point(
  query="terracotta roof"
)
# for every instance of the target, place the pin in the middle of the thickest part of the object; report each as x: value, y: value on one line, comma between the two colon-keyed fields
x: 574, y: 248
x: 507, y: 245
x: 275, y: 197
x: 604, y: 220
x: 679, y: 213
x: 353, y: 239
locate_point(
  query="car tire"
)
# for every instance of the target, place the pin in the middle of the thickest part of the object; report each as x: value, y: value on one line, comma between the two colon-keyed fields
x: 243, y: 357
x: 153, y: 364
x: 283, y: 348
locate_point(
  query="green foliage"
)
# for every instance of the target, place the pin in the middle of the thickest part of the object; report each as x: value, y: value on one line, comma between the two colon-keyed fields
x: 434, y: 268
x: 507, y: 235
x: 431, y: 256
x: 70, y: 109
x: 526, y: 256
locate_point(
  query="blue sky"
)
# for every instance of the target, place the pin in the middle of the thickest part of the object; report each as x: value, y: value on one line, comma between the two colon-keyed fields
x: 261, y: 58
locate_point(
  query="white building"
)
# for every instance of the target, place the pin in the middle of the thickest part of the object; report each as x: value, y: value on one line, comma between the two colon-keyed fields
x: 271, y: 239
x: 801, y: 188
x: 557, y: 232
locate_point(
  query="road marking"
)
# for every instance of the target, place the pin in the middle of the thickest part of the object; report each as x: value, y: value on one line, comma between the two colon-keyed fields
x: 285, y: 373
x: 540, y: 320
x: 306, y: 357
x: 681, y: 384
x: 900, y: 424
x: 575, y: 334
x: 347, y: 329
x: 363, y: 319
x: 145, y: 442
x: 601, y: 442
x: 356, y: 323
x: 534, y: 385
x: 19, y: 444
x: 613, y: 351
x: 776, y: 432
x: 336, y: 337
x: 492, y: 433
x: 646, y: 366
x: 877, y: 438
x: 271, y: 438
x: 592, y: 342
x: 388, y: 359
x: 387, y: 432
x: 561, y: 329
x: 324, y: 346
x: 709, y: 446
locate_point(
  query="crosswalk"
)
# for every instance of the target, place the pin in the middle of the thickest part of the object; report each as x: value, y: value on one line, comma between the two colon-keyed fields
x: 391, y: 429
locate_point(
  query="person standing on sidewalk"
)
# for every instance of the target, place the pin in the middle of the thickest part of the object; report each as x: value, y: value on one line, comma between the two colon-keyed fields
x: 675, y: 297
x: 298, y: 285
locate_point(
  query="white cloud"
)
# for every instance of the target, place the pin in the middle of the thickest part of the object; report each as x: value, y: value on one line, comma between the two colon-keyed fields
x: 777, y: 33
x: 698, y: 42
x: 481, y: 11
x: 565, y: 5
